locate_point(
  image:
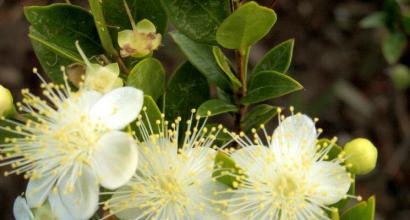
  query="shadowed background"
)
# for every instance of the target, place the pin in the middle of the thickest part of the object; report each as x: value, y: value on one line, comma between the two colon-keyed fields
x: 346, y: 80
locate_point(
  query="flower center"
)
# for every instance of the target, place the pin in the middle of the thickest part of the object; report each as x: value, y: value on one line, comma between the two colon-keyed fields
x: 286, y: 186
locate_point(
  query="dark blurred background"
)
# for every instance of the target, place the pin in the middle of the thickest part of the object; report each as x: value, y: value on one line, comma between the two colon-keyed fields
x: 346, y: 80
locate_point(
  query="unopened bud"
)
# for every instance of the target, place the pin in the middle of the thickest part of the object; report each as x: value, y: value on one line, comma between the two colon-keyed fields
x: 141, y: 41
x: 400, y: 75
x: 6, y: 102
x: 362, y: 155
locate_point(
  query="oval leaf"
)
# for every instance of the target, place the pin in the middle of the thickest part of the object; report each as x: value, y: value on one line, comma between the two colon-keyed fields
x: 245, y: 26
x: 150, y: 114
x: 149, y: 76
x: 393, y: 46
x: 267, y: 85
x: 224, y: 64
x: 363, y: 211
x: 53, y: 32
x: 277, y: 59
x: 215, y: 107
x: 201, y: 56
x: 225, y: 163
x: 197, y: 19
x: 187, y: 89
x: 257, y: 116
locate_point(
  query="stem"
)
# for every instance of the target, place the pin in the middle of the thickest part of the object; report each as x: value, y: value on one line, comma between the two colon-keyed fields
x: 242, y: 57
x: 68, y: 2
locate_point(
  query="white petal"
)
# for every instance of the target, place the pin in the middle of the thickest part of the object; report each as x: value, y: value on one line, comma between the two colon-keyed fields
x: 38, y: 189
x: 21, y: 210
x: 86, y: 99
x: 125, y: 214
x: 58, y: 208
x: 253, y: 160
x: 119, y: 107
x: 115, y: 159
x: 296, y: 135
x: 330, y: 182
x: 82, y: 202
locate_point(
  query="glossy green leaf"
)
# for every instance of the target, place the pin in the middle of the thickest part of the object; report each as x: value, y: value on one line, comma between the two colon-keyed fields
x: 150, y: 114
x: 187, y: 89
x: 224, y: 64
x: 245, y: 26
x: 259, y: 115
x: 55, y: 28
x: 374, y: 20
x: 50, y: 61
x: 116, y: 16
x: 149, y: 76
x: 225, y: 163
x: 105, y: 37
x: 201, y: 56
x: 393, y: 46
x: 197, y: 19
x: 215, y: 107
x: 363, y: 211
x: 267, y: 85
x: 277, y: 59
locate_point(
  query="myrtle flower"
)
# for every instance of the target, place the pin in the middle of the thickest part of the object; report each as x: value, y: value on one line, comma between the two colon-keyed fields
x: 289, y: 179
x: 22, y: 211
x: 141, y: 41
x: 170, y: 182
x: 70, y: 143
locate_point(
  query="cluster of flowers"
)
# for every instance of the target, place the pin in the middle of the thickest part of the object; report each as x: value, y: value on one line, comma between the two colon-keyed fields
x: 73, y: 143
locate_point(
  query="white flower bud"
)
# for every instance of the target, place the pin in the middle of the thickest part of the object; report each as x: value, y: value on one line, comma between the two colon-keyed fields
x: 362, y: 155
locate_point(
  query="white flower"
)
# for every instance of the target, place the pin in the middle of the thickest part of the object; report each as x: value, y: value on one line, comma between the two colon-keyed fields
x: 72, y: 143
x: 22, y: 211
x: 289, y: 179
x: 170, y: 183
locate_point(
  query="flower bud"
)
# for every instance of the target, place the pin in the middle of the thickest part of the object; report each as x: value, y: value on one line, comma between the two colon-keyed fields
x: 362, y: 155
x: 6, y: 102
x: 140, y: 41
x: 102, y: 78
x: 400, y: 75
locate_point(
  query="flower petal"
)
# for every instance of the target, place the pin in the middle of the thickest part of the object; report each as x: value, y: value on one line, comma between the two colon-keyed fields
x: 124, y: 37
x: 21, y: 210
x: 118, y: 108
x: 115, y: 159
x: 330, y: 182
x: 58, y: 208
x: 296, y: 135
x: 86, y: 99
x: 81, y: 201
x: 38, y: 190
x: 253, y: 160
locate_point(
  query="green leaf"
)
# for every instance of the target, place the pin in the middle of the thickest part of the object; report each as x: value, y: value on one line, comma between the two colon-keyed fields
x: 277, y: 59
x: 197, y: 19
x: 405, y: 20
x: 187, y: 89
x: 116, y: 16
x: 150, y: 114
x: 245, y: 26
x: 259, y: 115
x: 105, y: 37
x: 363, y: 211
x: 224, y: 162
x: 215, y: 107
x: 59, y: 26
x: 54, y: 30
x: 224, y: 64
x: 377, y: 19
x: 201, y: 56
x: 50, y: 61
x: 267, y: 85
x: 393, y: 46
x: 149, y: 76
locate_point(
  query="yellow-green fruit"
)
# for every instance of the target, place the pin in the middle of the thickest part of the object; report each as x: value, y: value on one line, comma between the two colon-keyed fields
x: 6, y: 102
x: 362, y: 155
